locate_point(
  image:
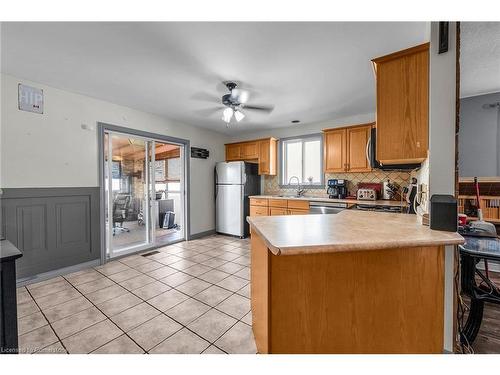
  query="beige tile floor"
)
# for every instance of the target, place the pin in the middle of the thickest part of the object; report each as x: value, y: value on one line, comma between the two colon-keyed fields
x: 191, y: 297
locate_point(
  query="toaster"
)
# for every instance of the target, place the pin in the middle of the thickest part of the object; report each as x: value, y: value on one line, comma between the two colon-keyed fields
x: 365, y: 194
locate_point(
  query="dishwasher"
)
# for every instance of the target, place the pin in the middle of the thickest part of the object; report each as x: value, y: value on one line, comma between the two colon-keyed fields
x: 326, y: 207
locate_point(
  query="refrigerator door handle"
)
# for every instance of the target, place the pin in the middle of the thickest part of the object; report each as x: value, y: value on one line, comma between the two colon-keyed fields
x: 216, y: 181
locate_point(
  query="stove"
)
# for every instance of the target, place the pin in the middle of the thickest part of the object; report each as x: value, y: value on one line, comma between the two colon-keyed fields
x: 379, y: 208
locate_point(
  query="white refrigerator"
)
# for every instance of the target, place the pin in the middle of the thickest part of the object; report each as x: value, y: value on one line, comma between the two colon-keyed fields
x: 234, y: 182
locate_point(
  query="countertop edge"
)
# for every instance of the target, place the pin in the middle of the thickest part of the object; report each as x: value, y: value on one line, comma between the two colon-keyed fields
x: 275, y: 250
x: 378, y: 202
x: 337, y: 248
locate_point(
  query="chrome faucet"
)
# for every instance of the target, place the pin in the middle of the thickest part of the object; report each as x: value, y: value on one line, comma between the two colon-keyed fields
x: 300, y: 191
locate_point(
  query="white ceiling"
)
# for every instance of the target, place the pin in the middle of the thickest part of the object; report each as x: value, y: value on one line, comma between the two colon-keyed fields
x: 479, y: 58
x: 308, y: 71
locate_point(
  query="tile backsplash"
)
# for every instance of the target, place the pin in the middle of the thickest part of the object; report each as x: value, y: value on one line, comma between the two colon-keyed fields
x: 271, y: 183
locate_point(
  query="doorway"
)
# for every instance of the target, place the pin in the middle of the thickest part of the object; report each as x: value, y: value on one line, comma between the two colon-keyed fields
x: 143, y: 186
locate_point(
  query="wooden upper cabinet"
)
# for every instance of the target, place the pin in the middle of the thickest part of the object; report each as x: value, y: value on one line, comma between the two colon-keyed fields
x: 335, y: 155
x: 357, y: 148
x: 249, y: 150
x: 268, y: 156
x: 403, y: 105
x: 262, y: 151
x: 345, y: 149
x: 233, y: 152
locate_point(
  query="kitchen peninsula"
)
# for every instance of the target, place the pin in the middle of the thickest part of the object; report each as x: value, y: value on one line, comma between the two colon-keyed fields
x: 354, y: 282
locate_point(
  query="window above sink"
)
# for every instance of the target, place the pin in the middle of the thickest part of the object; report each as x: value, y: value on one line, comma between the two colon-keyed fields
x: 301, y: 157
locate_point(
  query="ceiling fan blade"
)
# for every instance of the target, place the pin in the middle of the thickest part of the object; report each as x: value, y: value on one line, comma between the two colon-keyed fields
x: 265, y: 108
x: 206, y: 97
x: 239, y: 95
x: 205, y: 112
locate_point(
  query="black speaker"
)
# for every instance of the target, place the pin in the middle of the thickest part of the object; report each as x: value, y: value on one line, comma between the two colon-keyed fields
x: 444, y: 215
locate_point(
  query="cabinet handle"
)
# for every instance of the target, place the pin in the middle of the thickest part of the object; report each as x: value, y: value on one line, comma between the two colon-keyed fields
x: 368, y: 150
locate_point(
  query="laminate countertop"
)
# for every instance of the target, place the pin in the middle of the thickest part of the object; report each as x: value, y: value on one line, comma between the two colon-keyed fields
x: 378, y: 202
x: 349, y: 230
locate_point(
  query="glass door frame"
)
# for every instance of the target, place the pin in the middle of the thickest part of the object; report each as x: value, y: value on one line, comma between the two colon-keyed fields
x: 150, y: 153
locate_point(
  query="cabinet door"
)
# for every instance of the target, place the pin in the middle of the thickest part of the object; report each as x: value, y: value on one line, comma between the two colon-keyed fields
x: 264, y: 157
x: 259, y: 211
x: 233, y: 152
x: 402, y: 106
x: 357, y: 149
x: 267, y: 156
x: 273, y: 211
x: 249, y: 150
x: 335, y: 151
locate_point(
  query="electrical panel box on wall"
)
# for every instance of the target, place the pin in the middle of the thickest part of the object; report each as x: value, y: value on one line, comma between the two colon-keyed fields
x: 30, y: 99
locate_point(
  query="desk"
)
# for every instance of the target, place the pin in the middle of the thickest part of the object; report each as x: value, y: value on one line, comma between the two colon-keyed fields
x: 8, y: 298
x: 472, y: 252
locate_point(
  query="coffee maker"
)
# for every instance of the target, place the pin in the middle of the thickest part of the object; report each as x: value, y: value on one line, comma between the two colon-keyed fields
x: 337, y: 189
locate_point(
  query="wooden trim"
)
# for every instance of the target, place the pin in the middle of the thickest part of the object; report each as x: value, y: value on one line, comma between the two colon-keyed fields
x: 260, y: 293
x: 402, y: 161
x: 251, y: 140
x: 409, y: 51
x: 372, y: 124
x: 480, y: 179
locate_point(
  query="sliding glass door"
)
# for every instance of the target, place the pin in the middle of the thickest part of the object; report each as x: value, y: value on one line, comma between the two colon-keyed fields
x: 144, y: 193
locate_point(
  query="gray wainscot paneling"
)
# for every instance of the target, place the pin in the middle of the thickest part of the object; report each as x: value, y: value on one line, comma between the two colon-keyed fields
x: 53, y: 227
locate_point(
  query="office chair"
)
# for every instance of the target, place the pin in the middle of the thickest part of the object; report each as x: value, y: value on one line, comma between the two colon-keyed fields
x: 121, y: 205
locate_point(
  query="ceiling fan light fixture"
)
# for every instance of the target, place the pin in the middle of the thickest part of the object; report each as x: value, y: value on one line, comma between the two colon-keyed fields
x: 239, y: 115
x: 227, y: 114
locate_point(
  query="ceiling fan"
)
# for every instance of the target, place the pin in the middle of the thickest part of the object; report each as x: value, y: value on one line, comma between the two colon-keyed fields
x: 236, y: 101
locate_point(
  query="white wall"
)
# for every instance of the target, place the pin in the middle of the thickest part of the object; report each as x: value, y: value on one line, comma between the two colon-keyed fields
x: 303, y: 129
x: 442, y: 109
x: 52, y: 150
x: 479, y: 137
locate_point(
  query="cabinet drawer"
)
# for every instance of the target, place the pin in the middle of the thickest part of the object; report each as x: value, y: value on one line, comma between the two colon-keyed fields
x: 273, y: 211
x: 298, y: 212
x: 278, y: 203
x: 259, y: 211
x: 259, y: 202
x: 296, y: 204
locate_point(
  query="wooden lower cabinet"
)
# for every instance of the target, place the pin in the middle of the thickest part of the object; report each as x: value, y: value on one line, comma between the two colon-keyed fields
x: 275, y: 207
x: 259, y: 211
x: 353, y: 302
x: 298, y: 205
x: 275, y: 211
x: 292, y: 211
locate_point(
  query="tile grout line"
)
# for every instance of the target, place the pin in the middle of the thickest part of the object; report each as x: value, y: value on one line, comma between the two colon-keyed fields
x: 49, y: 324
x: 109, y: 318
x: 172, y: 287
x: 211, y: 307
